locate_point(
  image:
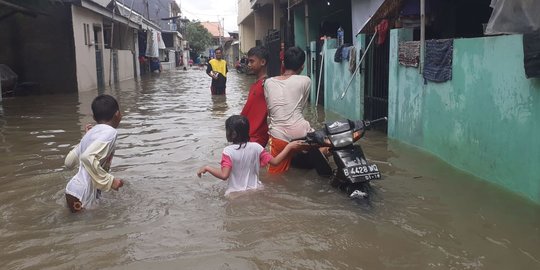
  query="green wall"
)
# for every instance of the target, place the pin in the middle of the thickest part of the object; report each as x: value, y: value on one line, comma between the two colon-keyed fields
x: 336, y: 78
x: 484, y: 121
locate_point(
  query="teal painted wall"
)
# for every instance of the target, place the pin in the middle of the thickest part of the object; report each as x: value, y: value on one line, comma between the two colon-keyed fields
x: 300, y: 34
x: 484, y: 121
x: 299, y: 28
x: 336, y: 78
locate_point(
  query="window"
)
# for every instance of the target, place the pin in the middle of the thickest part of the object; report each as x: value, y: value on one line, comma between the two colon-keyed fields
x: 86, y: 29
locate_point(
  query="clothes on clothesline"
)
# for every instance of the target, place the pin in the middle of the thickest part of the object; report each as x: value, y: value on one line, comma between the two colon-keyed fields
x: 531, y: 54
x: 438, y: 60
x: 409, y: 53
x: 352, y: 59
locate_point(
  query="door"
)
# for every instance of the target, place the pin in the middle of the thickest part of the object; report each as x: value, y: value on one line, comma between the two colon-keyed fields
x: 98, y: 45
x: 273, y: 44
x: 376, y: 80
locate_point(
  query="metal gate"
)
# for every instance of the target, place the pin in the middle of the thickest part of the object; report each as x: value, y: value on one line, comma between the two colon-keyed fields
x: 273, y: 44
x: 99, y: 68
x: 376, y: 80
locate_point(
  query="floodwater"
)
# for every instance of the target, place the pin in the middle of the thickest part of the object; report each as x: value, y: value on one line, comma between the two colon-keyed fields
x: 423, y: 215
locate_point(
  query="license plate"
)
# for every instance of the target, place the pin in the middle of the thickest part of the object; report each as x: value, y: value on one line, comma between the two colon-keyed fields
x: 366, y: 172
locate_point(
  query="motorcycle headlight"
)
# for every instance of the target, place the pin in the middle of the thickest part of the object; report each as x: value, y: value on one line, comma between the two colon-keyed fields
x: 341, y: 139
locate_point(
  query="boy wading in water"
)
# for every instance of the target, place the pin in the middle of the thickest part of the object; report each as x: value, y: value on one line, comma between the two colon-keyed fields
x: 93, y: 155
x: 255, y: 108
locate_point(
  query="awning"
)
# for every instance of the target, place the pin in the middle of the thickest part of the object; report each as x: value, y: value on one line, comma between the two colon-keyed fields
x: 135, y: 17
x: 388, y: 10
x: 95, y: 7
x: 173, y: 32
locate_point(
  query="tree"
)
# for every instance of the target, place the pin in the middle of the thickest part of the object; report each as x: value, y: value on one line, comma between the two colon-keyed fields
x: 198, y: 37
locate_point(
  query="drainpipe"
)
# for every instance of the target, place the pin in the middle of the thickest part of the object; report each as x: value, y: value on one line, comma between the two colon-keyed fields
x: 276, y: 14
x: 422, y: 34
x: 288, y: 10
x: 111, y: 43
x: 308, y: 49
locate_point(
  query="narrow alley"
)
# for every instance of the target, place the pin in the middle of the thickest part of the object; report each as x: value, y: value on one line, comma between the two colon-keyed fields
x: 423, y: 214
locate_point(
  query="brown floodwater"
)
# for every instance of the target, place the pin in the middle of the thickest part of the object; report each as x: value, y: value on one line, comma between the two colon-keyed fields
x: 423, y: 214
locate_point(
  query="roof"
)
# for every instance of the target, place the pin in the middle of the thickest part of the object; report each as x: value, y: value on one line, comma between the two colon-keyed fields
x: 214, y: 28
x: 385, y: 11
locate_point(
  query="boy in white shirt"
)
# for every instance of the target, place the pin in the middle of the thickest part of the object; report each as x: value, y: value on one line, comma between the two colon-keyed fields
x: 93, y: 155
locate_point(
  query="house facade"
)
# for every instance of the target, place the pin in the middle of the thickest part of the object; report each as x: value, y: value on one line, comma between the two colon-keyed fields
x: 94, y: 44
x: 481, y: 119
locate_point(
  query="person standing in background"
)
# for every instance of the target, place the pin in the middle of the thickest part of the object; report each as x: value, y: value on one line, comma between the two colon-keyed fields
x: 217, y: 70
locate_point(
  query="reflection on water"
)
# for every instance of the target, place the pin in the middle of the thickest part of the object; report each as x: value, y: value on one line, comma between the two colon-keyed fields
x: 423, y: 214
x: 219, y: 105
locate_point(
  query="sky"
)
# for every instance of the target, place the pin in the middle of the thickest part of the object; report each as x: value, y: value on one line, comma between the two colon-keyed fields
x: 212, y: 10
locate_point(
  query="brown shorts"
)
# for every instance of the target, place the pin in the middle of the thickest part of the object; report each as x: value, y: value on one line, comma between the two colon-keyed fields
x: 73, y: 203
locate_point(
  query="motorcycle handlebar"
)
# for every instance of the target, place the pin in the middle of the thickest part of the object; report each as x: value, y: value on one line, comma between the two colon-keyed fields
x: 319, y: 136
x: 368, y: 123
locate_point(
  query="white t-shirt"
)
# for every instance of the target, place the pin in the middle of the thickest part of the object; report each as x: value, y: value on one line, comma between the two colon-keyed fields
x: 93, y: 155
x: 286, y: 100
x: 245, y: 164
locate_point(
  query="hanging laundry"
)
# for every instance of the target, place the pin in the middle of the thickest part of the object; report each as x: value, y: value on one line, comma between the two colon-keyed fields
x: 438, y: 60
x: 409, y: 53
x: 531, y: 54
x: 345, y: 54
x: 382, y: 31
x: 352, y: 59
x: 152, y: 49
x: 338, y: 56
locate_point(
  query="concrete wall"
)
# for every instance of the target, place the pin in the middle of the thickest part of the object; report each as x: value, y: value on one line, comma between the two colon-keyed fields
x: 263, y: 22
x: 171, y: 64
x: 107, y: 72
x: 244, y: 10
x: 85, y: 55
x: 484, y: 121
x: 336, y: 78
x: 247, y: 34
x: 38, y: 54
x: 125, y: 65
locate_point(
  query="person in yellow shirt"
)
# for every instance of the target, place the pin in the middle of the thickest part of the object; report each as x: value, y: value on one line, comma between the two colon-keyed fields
x: 217, y: 70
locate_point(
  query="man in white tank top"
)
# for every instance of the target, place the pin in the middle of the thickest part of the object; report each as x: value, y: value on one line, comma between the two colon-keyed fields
x: 286, y: 98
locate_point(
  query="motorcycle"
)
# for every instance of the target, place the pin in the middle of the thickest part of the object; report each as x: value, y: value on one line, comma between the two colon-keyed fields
x: 242, y: 68
x: 352, y: 172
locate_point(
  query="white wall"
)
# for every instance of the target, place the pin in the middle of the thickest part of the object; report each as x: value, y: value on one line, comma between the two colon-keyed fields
x: 125, y: 65
x: 244, y: 10
x: 85, y: 55
x: 247, y: 34
x: 263, y: 22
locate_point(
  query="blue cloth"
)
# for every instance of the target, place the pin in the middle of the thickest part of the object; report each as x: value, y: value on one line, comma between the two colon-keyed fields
x: 154, y: 64
x: 438, y: 60
x: 345, y: 54
x: 531, y: 54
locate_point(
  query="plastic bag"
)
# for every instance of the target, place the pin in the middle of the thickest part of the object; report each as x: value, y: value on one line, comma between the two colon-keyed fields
x: 513, y: 17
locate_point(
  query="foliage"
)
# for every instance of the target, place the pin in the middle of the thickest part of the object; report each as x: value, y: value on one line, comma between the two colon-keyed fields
x: 198, y: 37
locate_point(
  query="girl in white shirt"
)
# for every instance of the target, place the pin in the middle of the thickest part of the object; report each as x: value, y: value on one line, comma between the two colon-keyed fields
x: 241, y: 161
